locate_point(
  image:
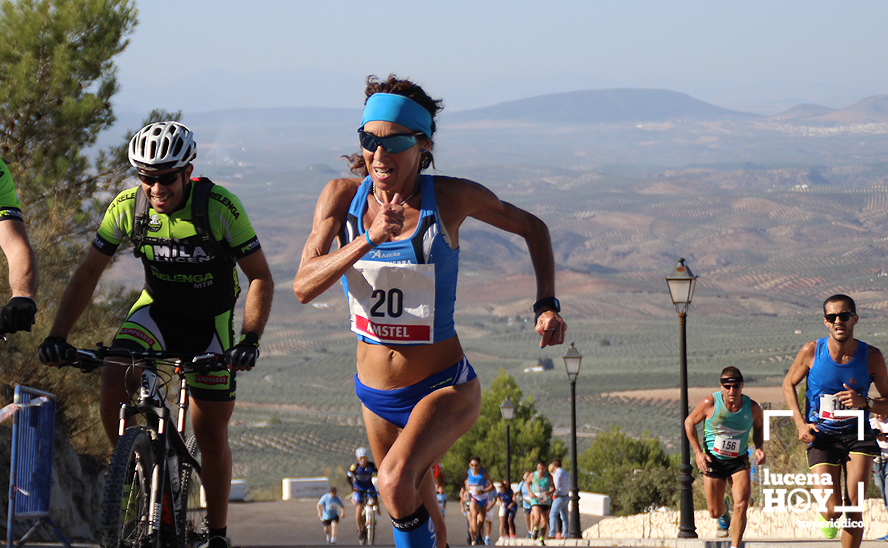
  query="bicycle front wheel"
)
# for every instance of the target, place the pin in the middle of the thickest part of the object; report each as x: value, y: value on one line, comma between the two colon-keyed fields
x: 125, y: 507
x: 194, y: 513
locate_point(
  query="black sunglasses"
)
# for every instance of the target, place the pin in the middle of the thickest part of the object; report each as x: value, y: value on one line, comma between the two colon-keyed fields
x: 392, y: 144
x: 844, y: 316
x: 730, y: 385
x: 165, y: 180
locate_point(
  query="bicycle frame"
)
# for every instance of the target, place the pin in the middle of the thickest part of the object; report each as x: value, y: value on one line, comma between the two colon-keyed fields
x: 153, y: 406
x: 167, y: 469
x: 371, y: 508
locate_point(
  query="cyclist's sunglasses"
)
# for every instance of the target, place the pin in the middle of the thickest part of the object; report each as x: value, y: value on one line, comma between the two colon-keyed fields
x: 844, y: 316
x: 730, y: 383
x: 392, y: 144
x: 165, y: 180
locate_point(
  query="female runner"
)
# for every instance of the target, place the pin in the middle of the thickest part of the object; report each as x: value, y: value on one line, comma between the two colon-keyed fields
x: 398, y: 244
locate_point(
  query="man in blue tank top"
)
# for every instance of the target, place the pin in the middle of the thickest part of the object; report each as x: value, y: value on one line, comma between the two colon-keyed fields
x: 838, y: 371
x: 727, y: 417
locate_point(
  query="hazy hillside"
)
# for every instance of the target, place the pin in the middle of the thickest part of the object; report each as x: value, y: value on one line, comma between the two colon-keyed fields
x: 872, y: 110
x: 619, y: 131
x: 801, y: 112
x: 607, y: 106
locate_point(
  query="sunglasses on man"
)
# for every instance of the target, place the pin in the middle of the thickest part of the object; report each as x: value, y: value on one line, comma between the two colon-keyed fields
x: 844, y: 316
x: 392, y: 144
x: 164, y: 180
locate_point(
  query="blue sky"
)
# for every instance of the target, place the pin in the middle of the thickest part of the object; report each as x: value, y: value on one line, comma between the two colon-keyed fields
x: 757, y: 56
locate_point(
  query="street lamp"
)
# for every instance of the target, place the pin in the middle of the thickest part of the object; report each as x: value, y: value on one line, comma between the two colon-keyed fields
x: 681, y: 284
x: 507, y: 408
x: 572, y: 359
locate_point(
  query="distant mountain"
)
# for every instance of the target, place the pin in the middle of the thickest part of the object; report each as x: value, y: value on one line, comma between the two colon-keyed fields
x: 606, y: 106
x: 872, y: 110
x: 802, y: 111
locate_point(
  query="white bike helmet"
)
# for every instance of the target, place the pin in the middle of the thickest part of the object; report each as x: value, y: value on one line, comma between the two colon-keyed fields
x: 162, y: 145
x: 360, y: 452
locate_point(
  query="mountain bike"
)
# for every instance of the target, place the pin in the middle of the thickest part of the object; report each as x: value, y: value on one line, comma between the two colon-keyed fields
x: 152, y: 495
x: 371, y: 509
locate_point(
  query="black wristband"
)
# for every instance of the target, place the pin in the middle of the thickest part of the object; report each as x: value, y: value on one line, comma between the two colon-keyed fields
x: 548, y: 302
x: 250, y: 338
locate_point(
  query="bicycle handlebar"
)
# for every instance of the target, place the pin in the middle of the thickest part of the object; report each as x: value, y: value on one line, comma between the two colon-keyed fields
x: 89, y: 359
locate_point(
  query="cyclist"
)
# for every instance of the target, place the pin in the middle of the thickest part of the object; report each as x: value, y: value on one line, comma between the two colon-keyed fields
x: 187, y: 305
x: 18, y: 313
x: 360, y: 477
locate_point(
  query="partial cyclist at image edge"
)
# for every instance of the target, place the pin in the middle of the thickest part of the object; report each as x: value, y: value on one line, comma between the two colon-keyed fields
x: 190, y: 236
x: 18, y: 313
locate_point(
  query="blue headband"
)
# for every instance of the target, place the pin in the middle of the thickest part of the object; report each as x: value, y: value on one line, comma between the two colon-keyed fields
x: 389, y: 107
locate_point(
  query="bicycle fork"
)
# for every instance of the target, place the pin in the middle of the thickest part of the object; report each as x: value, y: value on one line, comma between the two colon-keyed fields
x: 165, y: 478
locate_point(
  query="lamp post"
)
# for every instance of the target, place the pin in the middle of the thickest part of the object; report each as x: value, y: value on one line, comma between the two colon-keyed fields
x: 572, y: 359
x: 681, y: 284
x: 507, y: 408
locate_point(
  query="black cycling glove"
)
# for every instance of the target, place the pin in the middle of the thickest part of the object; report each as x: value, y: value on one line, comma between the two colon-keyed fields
x: 17, y: 315
x: 243, y: 355
x: 56, y: 349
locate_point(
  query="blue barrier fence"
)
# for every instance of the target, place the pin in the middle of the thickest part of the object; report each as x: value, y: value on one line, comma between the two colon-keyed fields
x: 30, y: 471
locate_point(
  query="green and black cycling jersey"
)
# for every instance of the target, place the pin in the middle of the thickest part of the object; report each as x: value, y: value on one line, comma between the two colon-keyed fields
x: 10, y: 206
x: 180, y: 273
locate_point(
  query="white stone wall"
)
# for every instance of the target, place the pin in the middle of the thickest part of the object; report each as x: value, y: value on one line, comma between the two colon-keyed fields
x: 760, y: 524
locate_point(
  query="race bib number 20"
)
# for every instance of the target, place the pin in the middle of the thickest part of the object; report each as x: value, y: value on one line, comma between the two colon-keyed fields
x: 392, y: 303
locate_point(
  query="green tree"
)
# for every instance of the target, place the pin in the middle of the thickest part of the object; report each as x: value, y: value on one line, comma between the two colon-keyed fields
x: 56, y: 58
x: 635, y: 472
x: 531, y: 436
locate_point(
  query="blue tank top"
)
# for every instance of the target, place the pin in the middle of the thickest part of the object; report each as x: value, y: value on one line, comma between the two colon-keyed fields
x: 476, y: 483
x: 427, y: 245
x: 477, y: 479
x: 826, y: 377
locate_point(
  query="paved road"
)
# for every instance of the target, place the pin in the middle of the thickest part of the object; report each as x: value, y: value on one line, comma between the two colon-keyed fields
x: 295, y: 523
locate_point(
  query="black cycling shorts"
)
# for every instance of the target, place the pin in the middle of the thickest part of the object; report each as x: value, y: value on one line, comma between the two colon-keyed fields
x: 149, y: 327
x: 835, y: 449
